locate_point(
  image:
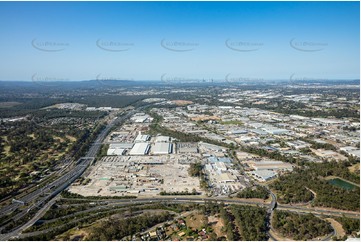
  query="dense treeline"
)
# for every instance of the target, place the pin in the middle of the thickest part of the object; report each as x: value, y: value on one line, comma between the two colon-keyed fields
x: 33, y: 104
x: 350, y: 225
x: 112, y: 229
x: 184, y: 193
x: 254, y: 192
x: 251, y: 222
x: 291, y: 189
x: 296, y: 186
x: 45, y: 114
x: 334, y: 168
x: 195, y: 169
x: 297, y: 108
x: 229, y: 227
x: 67, y: 194
x: 300, y: 227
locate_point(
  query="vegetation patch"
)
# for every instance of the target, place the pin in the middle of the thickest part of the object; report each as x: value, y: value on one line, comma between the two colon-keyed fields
x: 254, y: 192
x: 300, y: 227
x: 295, y: 187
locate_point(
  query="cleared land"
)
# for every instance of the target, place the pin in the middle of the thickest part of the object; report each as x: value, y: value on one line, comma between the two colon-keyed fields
x: 137, y: 175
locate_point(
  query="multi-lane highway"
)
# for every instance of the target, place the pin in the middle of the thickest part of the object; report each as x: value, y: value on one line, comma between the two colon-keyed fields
x: 38, y: 198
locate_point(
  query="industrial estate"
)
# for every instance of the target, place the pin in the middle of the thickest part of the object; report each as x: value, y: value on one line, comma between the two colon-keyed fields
x: 180, y: 121
x: 202, y: 168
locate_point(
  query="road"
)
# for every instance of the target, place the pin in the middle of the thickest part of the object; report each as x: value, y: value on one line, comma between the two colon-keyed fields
x: 118, y: 203
x: 38, y: 215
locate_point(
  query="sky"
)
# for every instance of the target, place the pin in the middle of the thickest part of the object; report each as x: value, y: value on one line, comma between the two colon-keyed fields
x: 72, y: 41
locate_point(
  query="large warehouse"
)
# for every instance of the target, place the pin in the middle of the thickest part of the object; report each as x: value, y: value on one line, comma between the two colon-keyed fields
x: 140, y: 149
x: 162, y: 148
x: 187, y: 147
x: 115, y: 151
x: 141, y: 138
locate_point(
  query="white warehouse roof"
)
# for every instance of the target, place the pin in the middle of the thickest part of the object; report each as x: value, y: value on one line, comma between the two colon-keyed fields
x: 141, y: 138
x: 162, y: 139
x: 121, y: 146
x: 162, y: 148
x: 116, y: 151
x: 140, y: 149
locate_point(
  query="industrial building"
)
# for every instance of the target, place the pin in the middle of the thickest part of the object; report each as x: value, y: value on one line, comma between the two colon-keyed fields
x: 226, y: 178
x: 116, y: 151
x: 162, y: 148
x: 141, y: 118
x: 352, y: 151
x: 264, y: 175
x: 298, y: 144
x: 121, y: 145
x: 141, y: 138
x: 215, y: 159
x: 187, y: 147
x: 212, y: 147
x: 140, y: 149
x: 220, y: 166
x: 160, y: 139
x: 270, y: 165
x: 328, y: 154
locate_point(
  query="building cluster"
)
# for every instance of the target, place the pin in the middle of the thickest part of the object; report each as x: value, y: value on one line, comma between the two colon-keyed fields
x: 144, y: 164
x: 289, y: 135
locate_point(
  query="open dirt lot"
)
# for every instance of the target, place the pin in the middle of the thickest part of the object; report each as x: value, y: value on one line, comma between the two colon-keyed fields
x: 137, y: 176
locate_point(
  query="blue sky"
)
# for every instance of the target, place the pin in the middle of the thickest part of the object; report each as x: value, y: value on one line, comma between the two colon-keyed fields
x: 179, y: 40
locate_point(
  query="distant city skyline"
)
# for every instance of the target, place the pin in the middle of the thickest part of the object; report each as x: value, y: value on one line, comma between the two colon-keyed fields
x: 170, y: 41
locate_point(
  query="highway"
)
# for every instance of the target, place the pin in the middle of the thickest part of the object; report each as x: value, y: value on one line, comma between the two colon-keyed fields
x: 38, y: 198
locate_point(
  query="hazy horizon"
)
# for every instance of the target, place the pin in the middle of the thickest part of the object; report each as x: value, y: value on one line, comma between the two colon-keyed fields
x: 76, y: 41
